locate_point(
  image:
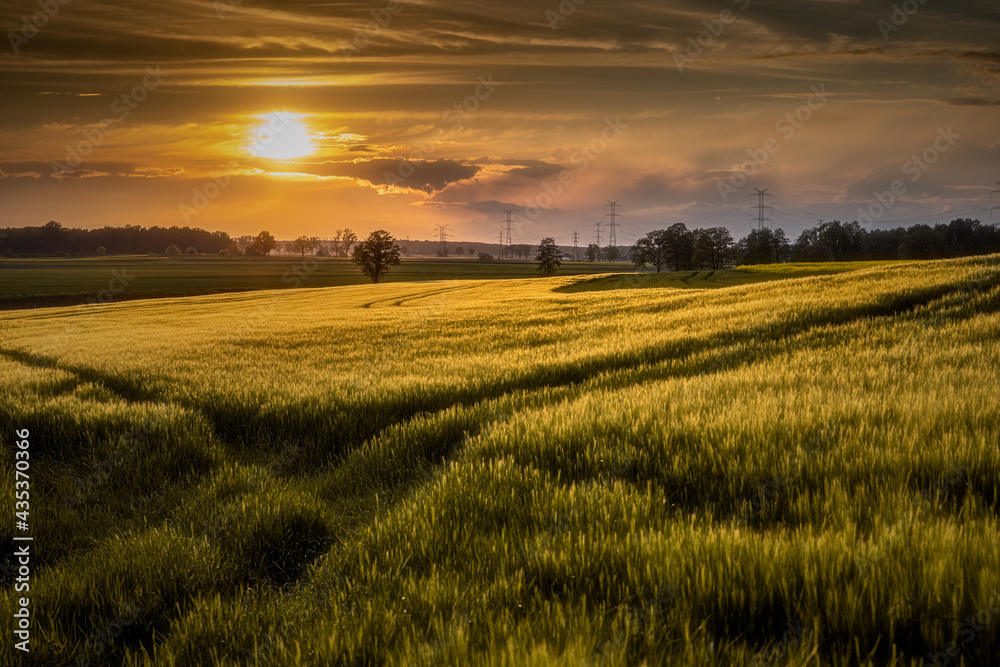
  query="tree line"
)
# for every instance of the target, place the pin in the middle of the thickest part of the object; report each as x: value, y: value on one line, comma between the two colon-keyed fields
x: 54, y: 239
x: 679, y: 249
x: 675, y: 248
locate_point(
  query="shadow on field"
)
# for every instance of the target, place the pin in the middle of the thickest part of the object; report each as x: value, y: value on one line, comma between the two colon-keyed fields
x: 686, y: 280
x: 329, y: 430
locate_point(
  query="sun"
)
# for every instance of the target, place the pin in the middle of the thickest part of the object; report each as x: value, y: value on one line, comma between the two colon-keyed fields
x: 281, y: 136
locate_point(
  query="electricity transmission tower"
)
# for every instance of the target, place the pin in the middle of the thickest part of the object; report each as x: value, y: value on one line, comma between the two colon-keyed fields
x: 597, y: 233
x: 614, y: 215
x: 761, y: 208
x: 576, y: 246
x: 443, y: 236
x: 510, y: 247
x: 992, y: 196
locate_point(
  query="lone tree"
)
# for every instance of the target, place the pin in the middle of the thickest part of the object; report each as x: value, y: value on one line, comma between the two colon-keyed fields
x: 376, y: 254
x: 593, y: 252
x: 548, y: 257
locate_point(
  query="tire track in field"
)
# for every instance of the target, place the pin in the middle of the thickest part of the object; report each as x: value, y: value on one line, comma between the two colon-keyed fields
x: 486, y: 412
x: 346, y: 425
x: 396, y: 301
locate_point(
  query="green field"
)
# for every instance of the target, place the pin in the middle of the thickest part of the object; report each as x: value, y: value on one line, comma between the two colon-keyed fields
x: 30, y: 283
x: 608, y: 470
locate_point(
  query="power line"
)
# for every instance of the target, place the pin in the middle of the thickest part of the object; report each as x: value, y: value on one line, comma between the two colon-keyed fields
x: 510, y: 241
x: 614, y: 205
x: 443, y: 236
x: 761, y: 208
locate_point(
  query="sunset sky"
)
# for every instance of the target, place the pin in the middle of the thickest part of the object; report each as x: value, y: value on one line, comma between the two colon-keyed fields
x: 306, y: 117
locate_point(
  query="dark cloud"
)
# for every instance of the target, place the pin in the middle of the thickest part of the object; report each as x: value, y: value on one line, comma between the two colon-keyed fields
x: 975, y: 101
x: 426, y: 177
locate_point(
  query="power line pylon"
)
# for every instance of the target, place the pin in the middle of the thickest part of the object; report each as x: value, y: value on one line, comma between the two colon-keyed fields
x: 510, y: 246
x: 443, y: 236
x: 576, y: 246
x: 597, y: 233
x: 614, y: 205
x: 761, y: 208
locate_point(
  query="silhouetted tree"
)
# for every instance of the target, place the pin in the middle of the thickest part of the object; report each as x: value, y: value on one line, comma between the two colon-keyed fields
x: 764, y: 246
x: 302, y: 245
x: 376, y: 254
x: 348, y: 240
x: 262, y: 245
x: 593, y: 252
x: 679, y: 243
x: 651, y: 249
x: 548, y: 257
x: 612, y: 253
x: 172, y: 250
x: 922, y: 242
x: 713, y: 247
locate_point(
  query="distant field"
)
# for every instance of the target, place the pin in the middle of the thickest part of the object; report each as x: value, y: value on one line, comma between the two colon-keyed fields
x: 567, y: 471
x: 26, y: 283
x: 30, y: 283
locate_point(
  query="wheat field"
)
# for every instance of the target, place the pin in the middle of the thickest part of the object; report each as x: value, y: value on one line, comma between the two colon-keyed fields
x: 802, y: 469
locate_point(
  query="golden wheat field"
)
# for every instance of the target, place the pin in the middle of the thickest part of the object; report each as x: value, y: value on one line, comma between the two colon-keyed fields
x: 800, y: 470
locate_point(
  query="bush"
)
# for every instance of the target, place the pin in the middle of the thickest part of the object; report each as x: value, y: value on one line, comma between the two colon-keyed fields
x: 101, y: 251
x: 485, y: 257
x: 191, y: 251
x: 172, y: 250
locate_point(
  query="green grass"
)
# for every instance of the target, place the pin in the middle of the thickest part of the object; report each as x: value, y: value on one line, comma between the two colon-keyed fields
x: 792, y: 471
x: 27, y: 283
